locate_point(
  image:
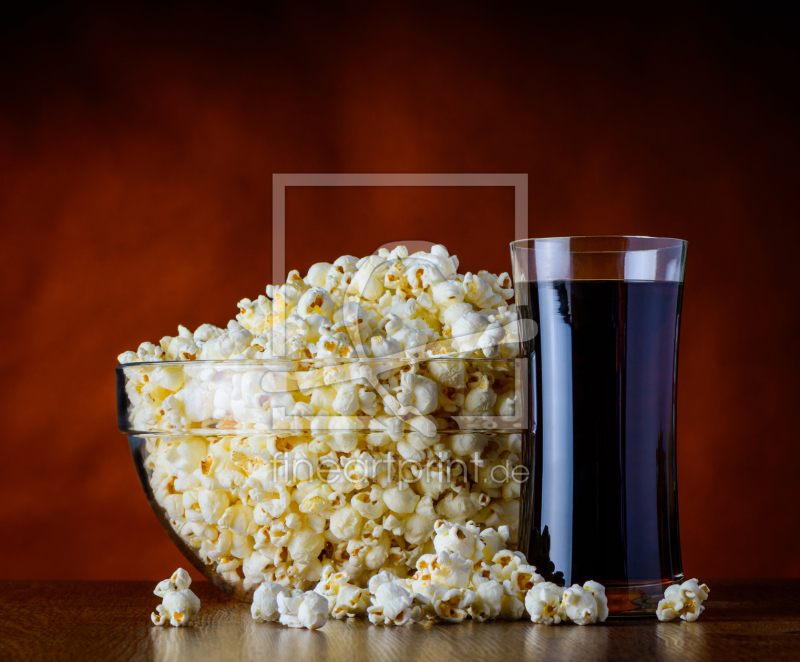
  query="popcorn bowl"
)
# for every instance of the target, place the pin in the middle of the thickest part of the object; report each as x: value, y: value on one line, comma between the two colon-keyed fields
x: 272, y: 469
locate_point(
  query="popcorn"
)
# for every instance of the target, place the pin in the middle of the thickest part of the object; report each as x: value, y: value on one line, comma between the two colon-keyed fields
x: 481, y: 397
x: 422, y: 394
x: 493, y: 541
x: 449, y: 569
x: 451, y: 605
x: 488, y: 601
x: 350, y: 601
x: 683, y: 600
x: 579, y: 605
x: 179, y: 581
x: 306, y: 610
x: 418, y: 525
x: 179, y: 605
x: 345, y: 523
x: 457, y: 538
x: 512, y: 608
x: 543, y: 604
x: 369, y: 505
x: 447, y: 293
x: 504, y: 564
x: 404, y: 610
x: 387, y: 591
x: 599, y: 593
x: 238, y: 519
x: 450, y: 374
x: 392, y: 604
x: 315, y: 301
x: 400, y: 499
x: 524, y: 578
x: 400, y: 611
x: 366, y: 282
x: 329, y: 584
x: 212, y: 504
x: 305, y: 545
x: 265, y: 601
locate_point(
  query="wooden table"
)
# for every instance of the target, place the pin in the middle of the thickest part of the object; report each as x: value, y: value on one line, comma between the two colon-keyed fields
x: 744, y: 620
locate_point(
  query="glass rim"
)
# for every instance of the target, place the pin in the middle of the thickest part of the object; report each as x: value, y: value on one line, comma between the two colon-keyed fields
x: 668, y: 242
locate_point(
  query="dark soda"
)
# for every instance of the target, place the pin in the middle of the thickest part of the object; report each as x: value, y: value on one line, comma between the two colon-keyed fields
x: 602, y: 496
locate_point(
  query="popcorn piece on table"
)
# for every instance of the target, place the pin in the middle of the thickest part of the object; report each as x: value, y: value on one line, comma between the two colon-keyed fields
x: 599, y: 593
x: 392, y: 604
x: 579, y: 605
x: 265, y: 601
x: 350, y: 601
x: 179, y: 605
x: 330, y: 583
x: 512, y: 608
x: 306, y: 610
x: 683, y: 600
x: 399, y: 611
x: 488, y: 601
x: 522, y: 580
x: 543, y: 603
x: 451, y: 605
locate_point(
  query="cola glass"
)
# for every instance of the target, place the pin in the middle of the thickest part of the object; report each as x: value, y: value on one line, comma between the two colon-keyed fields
x: 602, y: 500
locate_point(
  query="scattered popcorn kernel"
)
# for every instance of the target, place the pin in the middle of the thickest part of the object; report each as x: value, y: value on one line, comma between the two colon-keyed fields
x: 512, y: 608
x: 451, y: 606
x: 522, y: 579
x: 488, y: 601
x: 179, y: 605
x: 408, y: 609
x: 579, y: 605
x: 179, y: 581
x: 683, y: 600
x: 393, y: 604
x: 350, y: 601
x: 599, y: 593
x: 265, y: 601
x: 307, y: 610
x: 543, y: 604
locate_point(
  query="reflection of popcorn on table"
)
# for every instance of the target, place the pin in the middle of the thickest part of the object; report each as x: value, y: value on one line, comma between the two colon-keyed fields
x: 382, y: 396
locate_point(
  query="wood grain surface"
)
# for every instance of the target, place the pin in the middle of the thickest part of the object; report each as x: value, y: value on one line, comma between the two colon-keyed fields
x: 46, y: 620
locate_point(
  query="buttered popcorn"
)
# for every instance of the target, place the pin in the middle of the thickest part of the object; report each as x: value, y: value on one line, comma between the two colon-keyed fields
x: 393, y: 405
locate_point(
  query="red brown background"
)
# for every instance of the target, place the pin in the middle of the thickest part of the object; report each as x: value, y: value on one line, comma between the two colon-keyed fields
x: 137, y: 147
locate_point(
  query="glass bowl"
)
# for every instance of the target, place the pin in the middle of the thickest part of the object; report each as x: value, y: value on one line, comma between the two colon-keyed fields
x: 245, y: 462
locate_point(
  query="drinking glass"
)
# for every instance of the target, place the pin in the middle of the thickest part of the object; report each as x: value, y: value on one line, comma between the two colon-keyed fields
x: 602, y: 501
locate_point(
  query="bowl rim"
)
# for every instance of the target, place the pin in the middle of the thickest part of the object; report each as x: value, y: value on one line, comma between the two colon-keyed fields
x: 313, y: 362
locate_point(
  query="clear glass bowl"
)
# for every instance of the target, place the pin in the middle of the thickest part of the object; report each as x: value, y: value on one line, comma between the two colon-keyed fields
x: 197, y: 427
